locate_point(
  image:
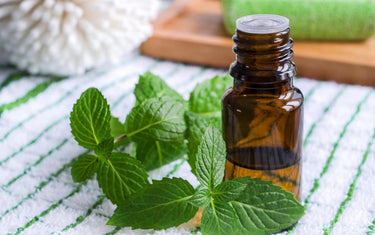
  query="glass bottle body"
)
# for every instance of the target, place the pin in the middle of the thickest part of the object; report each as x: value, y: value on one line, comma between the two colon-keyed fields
x: 263, y: 113
x: 263, y: 133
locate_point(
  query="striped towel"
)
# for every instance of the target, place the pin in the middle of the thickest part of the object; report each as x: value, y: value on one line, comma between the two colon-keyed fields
x: 38, y: 196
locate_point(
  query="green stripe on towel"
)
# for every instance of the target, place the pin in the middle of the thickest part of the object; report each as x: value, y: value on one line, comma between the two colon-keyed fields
x: 352, y: 188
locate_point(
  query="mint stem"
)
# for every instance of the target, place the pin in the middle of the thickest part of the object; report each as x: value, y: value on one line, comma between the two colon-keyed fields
x: 121, y: 137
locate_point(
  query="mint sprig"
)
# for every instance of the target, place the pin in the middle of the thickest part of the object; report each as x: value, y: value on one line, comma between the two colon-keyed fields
x: 239, y: 206
x: 158, y: 128
x: 234, y: 211
x: 119, y: 175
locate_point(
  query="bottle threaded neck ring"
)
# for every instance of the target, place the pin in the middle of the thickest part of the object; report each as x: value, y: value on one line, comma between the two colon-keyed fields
x: 262, y: 24
x: 263, y: 49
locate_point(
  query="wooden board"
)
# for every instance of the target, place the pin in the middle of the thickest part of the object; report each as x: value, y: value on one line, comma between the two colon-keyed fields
x: 192, y: 31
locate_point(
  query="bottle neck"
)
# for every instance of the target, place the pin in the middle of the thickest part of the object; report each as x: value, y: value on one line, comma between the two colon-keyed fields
x: 263, y: 62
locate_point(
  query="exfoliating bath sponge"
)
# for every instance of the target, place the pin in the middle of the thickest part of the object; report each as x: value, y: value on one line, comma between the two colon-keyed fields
x: 311, y: 19
x: 67, y: 37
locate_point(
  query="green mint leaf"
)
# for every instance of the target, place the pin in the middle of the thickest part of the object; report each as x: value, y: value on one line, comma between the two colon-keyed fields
x: 104, y: 149
x: 154, y: 154
x: 117, y: 128
x: 120, y: 176
x: 196, y: 126
x: 161, y: 205
x: 264, y: 208
x: 84, y: 168
x: 210, y: 162
x: 205, y: 99
x: 158, y: 119
x: 219, y: 219
x: 152, y: 86
x: 133, y: 151
x: 201, y: 197
x: 228, y: 190
x: 90, y: 119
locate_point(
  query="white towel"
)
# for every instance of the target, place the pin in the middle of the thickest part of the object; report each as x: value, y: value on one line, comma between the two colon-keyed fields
x: 38, y: 196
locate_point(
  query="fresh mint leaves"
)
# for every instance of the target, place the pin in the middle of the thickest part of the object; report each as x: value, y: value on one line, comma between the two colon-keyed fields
x: 201, y: 197
x: 161, y: 205
x: 210, y: 157
x: 84, y: 168
x: 154, y: 154
x: 267, y: 207
x: 90, y: 119
x: 105, y: 148
x: 204, y: 110
x: 159, y: 119
x: 196, y: 126
x: 117, y: 128
x: 152, y: 86
x: 219, y: 219
x: 239, y: 206
x: 161, y: 128
x: 229, y: 190
x: 243, y: 205
x: 205, y: 99
x: 120, y: 176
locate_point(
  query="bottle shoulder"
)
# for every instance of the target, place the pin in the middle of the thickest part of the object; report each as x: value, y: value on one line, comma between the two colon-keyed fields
x: 297, y: 95
x: 291, y: 99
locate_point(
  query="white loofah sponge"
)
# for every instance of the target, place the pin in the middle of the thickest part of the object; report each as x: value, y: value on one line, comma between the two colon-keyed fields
x: 66, y: 37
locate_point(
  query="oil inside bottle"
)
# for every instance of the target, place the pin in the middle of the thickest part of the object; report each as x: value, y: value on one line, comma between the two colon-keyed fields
x: 279, y: 165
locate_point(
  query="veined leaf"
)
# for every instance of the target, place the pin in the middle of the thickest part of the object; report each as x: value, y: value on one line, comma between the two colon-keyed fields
x: 90, y: 119
x: 219, y: 219
x: 161, y: 205
x: 201, y: 197
x: 152, y: 86
x: 84, y: 168
x: 196, y: 126
x: 210, y: 162
x: 120, y: 176
x: 117, y: 128
x: 154, y: 154
x: 105, y: 148
x: 157, y: 119
x: 228, y: 190
x: 264, y: 208
x: 205, y: 99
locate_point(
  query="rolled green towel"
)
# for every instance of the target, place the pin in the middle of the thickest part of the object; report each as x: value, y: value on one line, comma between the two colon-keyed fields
x: 311, y: 19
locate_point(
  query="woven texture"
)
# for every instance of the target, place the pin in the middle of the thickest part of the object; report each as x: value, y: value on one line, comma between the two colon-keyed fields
x: 38, y: 196
x: 311, y: 19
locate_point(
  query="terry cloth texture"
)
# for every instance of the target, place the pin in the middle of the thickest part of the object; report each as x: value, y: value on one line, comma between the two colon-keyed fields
x: 38, y: 196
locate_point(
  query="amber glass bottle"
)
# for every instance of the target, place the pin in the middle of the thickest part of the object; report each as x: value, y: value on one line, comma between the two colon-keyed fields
x: 263, y: 112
